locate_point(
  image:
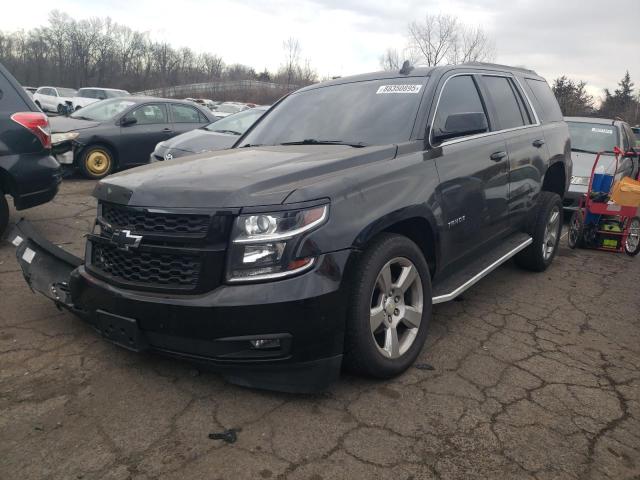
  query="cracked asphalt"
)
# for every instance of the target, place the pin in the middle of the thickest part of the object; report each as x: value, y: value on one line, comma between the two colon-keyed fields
x: 536, y: 376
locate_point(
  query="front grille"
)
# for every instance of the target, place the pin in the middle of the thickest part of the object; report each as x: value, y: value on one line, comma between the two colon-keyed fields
x: 176, y: 250
x: 143, y: 221
x: 145, y: 267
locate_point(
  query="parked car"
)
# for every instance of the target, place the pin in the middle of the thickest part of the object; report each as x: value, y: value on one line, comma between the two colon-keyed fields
x: 636, y: 132
x: 28, y: 172
x: 54, y: 99
x: 590, y: 136
x: 324, y: 237
x: 30, y: 90
x: 121, y: 132
x: 215, y: 136
x: 229, y: 108
x: 88, y: 95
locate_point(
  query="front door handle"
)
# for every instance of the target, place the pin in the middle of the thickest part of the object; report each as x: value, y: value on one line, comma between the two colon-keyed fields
x: 497, y: 156
x: 167, y: 130
x: 538, y: 143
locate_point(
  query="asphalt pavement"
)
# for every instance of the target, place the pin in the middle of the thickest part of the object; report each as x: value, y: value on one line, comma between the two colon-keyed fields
x: 528, y: 376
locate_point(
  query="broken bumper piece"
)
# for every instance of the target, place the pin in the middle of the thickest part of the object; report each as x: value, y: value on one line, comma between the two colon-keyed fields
x: 252, y: 336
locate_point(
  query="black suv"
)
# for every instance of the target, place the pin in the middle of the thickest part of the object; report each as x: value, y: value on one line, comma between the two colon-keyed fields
x: 324, y: 237
x: 27, y: 170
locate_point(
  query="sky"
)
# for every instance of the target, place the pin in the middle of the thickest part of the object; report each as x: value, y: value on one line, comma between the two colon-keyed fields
x: 591, y: 40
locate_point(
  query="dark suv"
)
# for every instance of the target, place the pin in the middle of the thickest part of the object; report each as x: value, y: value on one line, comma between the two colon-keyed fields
x: 324, y: 237
x: 27, y: 170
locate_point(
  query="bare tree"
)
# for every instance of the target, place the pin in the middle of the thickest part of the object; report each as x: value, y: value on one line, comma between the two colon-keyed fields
x: 291, y: 48
x: 443, y: 39
x: 390, y: 60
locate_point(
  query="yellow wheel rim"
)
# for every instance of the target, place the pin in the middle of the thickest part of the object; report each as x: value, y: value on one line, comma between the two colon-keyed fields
x: 98, y: 162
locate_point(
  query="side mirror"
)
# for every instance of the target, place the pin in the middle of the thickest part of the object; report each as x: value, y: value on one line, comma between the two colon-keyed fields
x: 127, y: 121
x: 462, y: 125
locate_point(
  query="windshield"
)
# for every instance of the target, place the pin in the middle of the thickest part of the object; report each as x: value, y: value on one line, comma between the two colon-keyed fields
x: 236, y: 124
x: 229, y: 108
x: 592, y: 137
x: 67, y: 92
x: 102, y: 111
x: 376, y: 112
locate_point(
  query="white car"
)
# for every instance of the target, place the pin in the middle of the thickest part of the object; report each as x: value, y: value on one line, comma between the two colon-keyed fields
x: 88, y: 95
x: 54, y: 99
x: 229, y: 108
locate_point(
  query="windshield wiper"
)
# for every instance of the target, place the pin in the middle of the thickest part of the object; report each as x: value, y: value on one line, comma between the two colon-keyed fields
x: 313, y: 141
x: 82, y: 117
x: 581, y: 150
x: 232, y: 132
x: 249, y: 145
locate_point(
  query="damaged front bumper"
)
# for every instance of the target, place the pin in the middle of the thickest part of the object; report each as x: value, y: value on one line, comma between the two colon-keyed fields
x: 286, y: 337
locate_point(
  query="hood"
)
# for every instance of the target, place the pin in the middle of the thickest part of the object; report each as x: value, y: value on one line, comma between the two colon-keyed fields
x: 68, y: 124
x: 200, y: 140
x: 240, y: 177
x: 583, y: 163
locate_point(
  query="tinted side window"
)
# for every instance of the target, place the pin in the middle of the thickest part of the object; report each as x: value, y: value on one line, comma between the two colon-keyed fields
x: 504, y: 101
x: 460, y: 95
x: 626, y: 143
x: 150, y: 114
x: 546, y: 103
x: 184, y: 114
x: 86, y: 93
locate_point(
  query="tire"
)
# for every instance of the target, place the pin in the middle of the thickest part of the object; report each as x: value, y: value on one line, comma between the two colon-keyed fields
x: 632, y: 243
x: 61, y: 109
x: 4, y: 213
x: 38, y: 105
x: 78, y: 108
x: 545, y: 229
x: 575, y: 236
x: 377, y: 354
x: 96, y: 162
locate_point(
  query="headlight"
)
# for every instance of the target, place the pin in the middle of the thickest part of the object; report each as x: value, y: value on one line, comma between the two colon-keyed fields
x: 263, y: 244
x: 63, y: 137
x: 580, y: 180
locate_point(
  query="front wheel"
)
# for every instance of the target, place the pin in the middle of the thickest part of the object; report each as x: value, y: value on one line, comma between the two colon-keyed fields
x: 61, y: 109
x: 96, y: 162
x: 4, y: 213
x: 632, y: 243
x: 545, y: 230
x: 390, y: 308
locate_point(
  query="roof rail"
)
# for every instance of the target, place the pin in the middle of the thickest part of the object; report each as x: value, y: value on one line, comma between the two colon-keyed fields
x: 497, y: 65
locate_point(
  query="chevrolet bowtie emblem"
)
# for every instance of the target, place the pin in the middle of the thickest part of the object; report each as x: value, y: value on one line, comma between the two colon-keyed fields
x: 125, y: 240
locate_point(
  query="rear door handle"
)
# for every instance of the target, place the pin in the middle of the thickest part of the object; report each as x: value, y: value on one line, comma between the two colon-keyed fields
x: 538, y: 143
x: 497, y: 156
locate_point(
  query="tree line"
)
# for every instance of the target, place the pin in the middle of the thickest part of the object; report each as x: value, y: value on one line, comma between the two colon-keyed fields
x: 99, y: 52
x: 439, y: 39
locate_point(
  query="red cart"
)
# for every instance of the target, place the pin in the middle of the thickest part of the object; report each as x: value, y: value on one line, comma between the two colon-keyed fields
x: 600, y: 223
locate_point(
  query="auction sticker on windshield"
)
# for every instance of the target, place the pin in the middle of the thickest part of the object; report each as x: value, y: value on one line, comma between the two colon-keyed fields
x: 398, y: 89
x: 602, y: 130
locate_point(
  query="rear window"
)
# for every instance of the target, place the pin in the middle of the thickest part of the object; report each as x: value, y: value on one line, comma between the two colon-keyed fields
x: 592, y: 137
x: 544, y: 101
x: 504, y: 102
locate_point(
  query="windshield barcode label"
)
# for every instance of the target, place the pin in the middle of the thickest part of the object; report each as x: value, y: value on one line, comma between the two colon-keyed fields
x: 602, y: 130
x: 398, y: 89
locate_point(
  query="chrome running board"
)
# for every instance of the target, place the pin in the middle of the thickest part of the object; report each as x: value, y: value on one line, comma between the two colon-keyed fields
x: 458, y: 283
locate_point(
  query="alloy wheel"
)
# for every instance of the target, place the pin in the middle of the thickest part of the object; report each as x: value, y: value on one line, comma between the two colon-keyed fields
x: 397, y: 303
x: 551, y: 232
x: 633, y: 239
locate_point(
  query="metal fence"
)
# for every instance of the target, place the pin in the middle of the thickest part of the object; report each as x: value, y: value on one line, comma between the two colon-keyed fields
x: 213, y: 88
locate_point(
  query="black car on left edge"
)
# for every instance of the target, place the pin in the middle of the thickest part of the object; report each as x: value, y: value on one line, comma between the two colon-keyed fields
x: 121, y: 132
x: 28, y: 172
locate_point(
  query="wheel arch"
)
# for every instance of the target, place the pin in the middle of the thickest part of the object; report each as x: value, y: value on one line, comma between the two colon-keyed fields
x: 416, y: 223
x: 555, y: 179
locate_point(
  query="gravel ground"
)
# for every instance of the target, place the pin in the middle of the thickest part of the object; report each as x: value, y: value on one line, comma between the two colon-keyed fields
x: 535, y: 376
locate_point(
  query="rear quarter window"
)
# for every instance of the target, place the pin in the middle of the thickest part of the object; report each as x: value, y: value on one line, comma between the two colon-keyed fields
x: 544, y: 101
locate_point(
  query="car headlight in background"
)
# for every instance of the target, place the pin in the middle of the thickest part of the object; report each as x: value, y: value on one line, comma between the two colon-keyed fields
x: 580, y: 180
x: 263, y: 244
x: 63, y: 137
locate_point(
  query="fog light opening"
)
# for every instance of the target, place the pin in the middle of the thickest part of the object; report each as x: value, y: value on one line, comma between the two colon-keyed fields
x: 265, y: 343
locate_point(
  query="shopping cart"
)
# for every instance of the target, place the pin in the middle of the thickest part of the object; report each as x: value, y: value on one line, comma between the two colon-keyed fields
x: 607, y: 217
